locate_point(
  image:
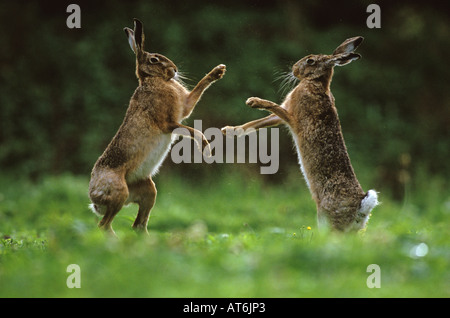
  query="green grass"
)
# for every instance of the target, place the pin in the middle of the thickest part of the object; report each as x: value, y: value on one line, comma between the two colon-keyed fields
x: 230, y: 236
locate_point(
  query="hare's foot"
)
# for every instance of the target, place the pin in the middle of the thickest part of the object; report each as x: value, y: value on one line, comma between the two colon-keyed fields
x: 142, y: 192
x: 231, y: 131
x: 206, y: 148
x: 256, y: 102
x: 140, y: 229
x: 108, y: 230
x: 253, y: 102
x: 218, y: 72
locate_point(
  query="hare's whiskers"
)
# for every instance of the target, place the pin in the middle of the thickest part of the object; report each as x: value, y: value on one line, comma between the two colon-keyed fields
x: 182, y: 78
x: 288, y: 81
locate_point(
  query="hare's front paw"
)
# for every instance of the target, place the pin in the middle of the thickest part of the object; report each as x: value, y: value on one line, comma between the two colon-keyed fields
x: 226, y: 129
x: 231, y: 131
x: 218, y: 72
x: 253, y: 102
x: 207, y: 151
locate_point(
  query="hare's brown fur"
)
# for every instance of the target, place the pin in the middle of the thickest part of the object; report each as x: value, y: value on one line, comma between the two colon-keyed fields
x: 310, y: 113
x: 123, y: 172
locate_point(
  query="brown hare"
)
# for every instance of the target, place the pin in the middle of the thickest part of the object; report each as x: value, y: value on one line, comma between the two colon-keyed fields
x: 123, y: 172
x: 312, y: 118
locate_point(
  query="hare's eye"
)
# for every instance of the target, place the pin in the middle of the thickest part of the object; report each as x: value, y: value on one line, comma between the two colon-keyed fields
x: 154, y: 60
x: 310, y: 61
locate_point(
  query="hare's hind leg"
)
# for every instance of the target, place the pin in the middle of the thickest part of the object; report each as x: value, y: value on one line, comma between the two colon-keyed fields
x: 111, y: 211
x: 108, y: 193
x: 144, y: 194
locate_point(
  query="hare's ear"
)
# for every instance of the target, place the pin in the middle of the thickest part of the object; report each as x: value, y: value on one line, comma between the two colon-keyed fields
x: 130, y: 36
x: 349, y: 45
x: 139, y: 35
x: 345, y: 58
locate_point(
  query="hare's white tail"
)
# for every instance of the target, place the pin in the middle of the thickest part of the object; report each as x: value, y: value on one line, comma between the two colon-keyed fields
x: 99, y: 211
x: 367, y: 204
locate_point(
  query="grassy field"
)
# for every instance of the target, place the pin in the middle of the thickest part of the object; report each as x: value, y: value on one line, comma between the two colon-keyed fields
x: 224, y: 237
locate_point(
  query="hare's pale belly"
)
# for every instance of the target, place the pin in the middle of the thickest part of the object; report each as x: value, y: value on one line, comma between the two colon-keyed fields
x: 302, y: 168
x: 159, y: 148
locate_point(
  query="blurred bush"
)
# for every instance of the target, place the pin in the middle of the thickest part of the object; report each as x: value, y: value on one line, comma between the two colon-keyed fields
x: 65, y: 91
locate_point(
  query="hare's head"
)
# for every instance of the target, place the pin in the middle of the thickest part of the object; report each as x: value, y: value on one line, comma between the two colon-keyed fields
x: 148, y: 64
x: 321, y: 66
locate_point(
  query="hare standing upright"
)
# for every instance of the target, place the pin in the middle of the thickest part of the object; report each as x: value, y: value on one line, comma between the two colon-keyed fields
x: 312, y: 118
x: 123, y: 172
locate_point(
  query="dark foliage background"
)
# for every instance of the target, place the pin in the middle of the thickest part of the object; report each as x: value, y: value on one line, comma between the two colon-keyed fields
x: 64, y: 91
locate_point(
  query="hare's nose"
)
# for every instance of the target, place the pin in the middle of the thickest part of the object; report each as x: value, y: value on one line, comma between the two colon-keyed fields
x: 172, y: 72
